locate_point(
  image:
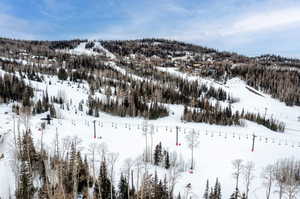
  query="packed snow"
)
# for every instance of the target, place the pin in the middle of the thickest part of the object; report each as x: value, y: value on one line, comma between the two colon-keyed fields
x: 219, y: 145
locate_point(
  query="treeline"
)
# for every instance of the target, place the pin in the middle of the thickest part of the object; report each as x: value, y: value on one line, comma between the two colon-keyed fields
x: 281, y: 84
x: 12, y: 48
x: 47, y: 104
x: 279, y: 60
x: 153, y: 47
x: 205, y: 112
x: 166, y: 90
x: 275, y: 78
x: 14, y: 89
x: 130, y: 106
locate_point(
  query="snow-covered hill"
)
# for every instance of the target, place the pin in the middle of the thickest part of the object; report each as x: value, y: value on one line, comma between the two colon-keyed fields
x: 218, y: 147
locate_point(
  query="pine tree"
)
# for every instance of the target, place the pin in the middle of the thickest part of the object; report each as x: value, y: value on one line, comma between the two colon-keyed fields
x: 211, y: 194
x: 52, y: 111
x: 158, y: 154
x: 206, y: 192
x: 217, y: 190
x: 25, y: 186
x: 28, y: 152
x: 167, y: 161
x: 179, y: 196
x: 83, y: 174
x: 62, y: 74
x: 123, y: 187
x: 244, y: 196
x: 71, y: 172
x: 104, y: 182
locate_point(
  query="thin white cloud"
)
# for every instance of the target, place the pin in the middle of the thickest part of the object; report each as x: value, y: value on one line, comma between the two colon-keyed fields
x: 202, y: 27
x: 172, y: 7
x: 13, y: 27
x: 244, y: 28
x: 273, y: 20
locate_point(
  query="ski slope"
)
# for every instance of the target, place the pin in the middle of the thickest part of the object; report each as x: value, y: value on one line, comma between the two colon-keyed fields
x: 219, y: 145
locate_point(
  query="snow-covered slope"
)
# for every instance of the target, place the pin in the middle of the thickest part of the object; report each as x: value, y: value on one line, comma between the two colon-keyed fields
x: 82, y: 50
x: 218, y: 145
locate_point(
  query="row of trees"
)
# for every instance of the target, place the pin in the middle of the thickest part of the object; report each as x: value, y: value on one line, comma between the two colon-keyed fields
x: 123, y: 108
x: 207, y: 113
x: 281, y: 178
x: 14, y: 89
x: 161, y: 157
x: 153, y: 47
x: 64, y: 174
x: 281, y: 84
x: 213, y: 192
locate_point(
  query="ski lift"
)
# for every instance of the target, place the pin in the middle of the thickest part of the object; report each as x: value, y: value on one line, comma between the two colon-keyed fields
x: 48, y: 119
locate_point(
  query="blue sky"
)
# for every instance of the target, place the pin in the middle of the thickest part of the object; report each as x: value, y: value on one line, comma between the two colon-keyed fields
x: 249, y: 27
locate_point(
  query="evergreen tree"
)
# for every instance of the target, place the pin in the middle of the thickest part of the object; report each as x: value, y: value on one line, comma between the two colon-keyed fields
x: 52, y: 111
x: 243, y: 196
x: 217, y: 190
x: 158, y: 154
x: 28, y: 152
x: 62, y: 74
x: 104, y: 182
x: 71, y: 172
x: 206, y: 192
x: 179, y: 196
x: 167, y: 160
x: 83, y: 174
x: 123, y: 187
x: 25, y: 188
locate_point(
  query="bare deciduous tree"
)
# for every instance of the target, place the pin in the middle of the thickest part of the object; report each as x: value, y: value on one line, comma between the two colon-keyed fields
x: 151, y: 132
x: 268, y: 176
x: 111, y: 160
x: 128, y: 166
x: 248, y: 175
x: 173, y: 175
x: 193, y: 140
x: 138, y: 166
x: 237, y: 166
x: 92, y: 150
x: 145, y: 133
x: 280, y: 178
x: 25, y: 116
x: 289, y: 179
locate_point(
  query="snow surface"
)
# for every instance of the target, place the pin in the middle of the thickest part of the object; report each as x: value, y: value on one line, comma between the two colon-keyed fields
x: 81, y: 50
x: 219, y: 145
